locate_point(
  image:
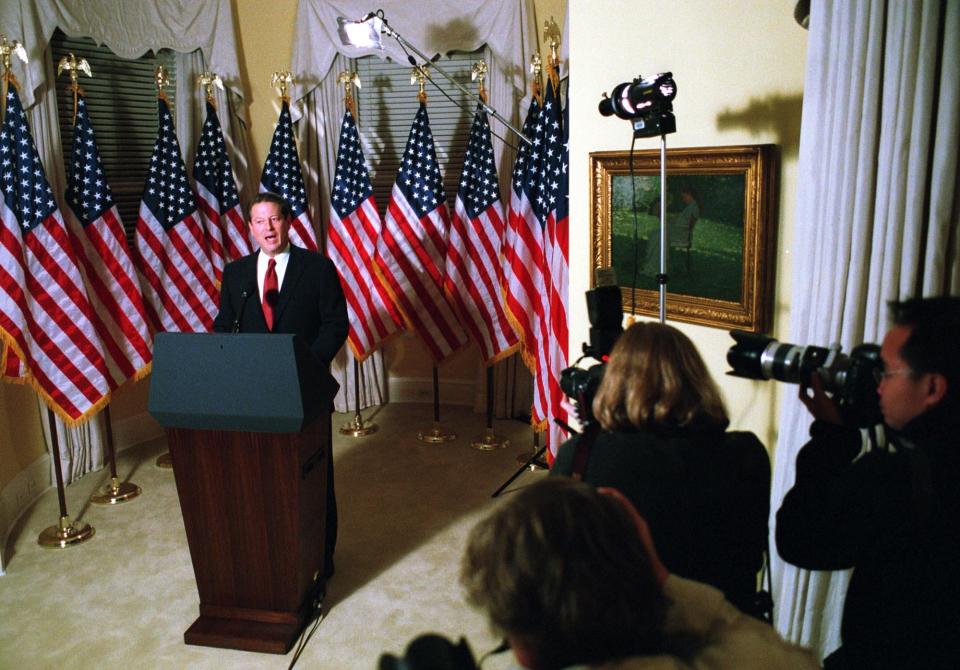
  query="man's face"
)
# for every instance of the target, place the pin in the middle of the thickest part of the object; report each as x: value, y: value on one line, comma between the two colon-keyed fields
x: 903, y: 396
x: 269, y: 227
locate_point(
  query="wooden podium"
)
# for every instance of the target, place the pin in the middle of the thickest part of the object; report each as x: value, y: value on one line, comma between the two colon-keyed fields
x: 247, y: 418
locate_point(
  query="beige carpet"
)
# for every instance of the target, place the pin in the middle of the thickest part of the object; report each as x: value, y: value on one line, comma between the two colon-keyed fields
x: 124, y: 598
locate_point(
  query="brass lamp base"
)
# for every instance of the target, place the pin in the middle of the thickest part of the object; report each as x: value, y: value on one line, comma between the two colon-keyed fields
x: 436, y: 435
x: 164, y: 461
x: 489, y: 441
x: 115, y: 492
x: 65, y: 534
x: 358, y: 427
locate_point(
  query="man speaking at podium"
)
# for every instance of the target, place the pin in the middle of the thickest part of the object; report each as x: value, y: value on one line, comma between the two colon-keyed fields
x: 283, y: 288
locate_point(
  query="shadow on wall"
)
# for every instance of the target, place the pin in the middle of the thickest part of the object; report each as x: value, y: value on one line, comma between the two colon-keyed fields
x: 777, y: 113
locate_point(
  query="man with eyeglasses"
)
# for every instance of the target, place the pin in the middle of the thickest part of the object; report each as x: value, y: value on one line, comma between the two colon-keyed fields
x: 892, y: 513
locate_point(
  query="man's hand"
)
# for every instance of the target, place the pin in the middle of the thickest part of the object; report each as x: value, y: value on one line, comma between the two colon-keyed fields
x: 820, y: 405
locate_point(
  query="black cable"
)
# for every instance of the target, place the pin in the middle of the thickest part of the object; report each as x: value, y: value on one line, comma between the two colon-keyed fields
x: 316, y: 616
x: 499, y: 649
x: 636, y: 230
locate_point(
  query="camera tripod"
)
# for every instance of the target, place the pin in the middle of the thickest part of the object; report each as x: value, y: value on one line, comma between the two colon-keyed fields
x: 534, y: 461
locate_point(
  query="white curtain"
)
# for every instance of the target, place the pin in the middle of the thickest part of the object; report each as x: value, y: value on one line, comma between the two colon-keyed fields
x: 877, y: 216
x: 129, y: 28
x: 505, y: 26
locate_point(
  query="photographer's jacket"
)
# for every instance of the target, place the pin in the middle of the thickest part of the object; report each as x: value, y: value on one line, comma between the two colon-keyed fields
x: 893, y: 516
x: 704, y: 492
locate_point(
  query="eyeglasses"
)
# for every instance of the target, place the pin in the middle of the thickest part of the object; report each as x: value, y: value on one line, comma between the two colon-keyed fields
x: 879, y: 375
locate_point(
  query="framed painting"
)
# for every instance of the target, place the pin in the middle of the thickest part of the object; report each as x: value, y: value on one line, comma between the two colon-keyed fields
x: 721, y: 214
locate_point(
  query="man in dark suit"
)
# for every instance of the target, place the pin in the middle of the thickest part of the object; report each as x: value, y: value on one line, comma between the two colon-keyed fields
x: 283, y: 288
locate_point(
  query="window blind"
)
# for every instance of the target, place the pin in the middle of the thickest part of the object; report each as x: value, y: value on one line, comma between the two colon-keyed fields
x: 122, y: 103
x: 387, y: 103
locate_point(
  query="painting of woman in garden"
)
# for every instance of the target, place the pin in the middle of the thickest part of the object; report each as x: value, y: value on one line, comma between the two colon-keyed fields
x: 705, y: 224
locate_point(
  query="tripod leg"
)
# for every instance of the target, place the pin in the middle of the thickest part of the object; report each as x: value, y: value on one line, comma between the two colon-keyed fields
x: 533, y: 459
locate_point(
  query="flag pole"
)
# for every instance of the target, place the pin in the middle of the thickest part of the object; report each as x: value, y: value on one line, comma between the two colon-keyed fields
x: 115, y: 492
x: 358, y: 427
x: 164, y: 460
x: 489, y: 440
x: 66, y: 533
x: 436, y: 435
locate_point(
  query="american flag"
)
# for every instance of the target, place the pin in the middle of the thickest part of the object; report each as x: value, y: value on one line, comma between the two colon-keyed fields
x: 46, y: 320
x: 217, y: 197
x: 98, y: 236
x: 282, y: 175
x: 412, y: 247
x: 473, y: 250
x: 351, y: 244
x: 537, y: 269
x: 171, y: 253
x: 522, y: 253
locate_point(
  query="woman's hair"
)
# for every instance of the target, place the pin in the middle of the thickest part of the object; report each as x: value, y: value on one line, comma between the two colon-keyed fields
x: 563, y: 568
x: 656, y: 378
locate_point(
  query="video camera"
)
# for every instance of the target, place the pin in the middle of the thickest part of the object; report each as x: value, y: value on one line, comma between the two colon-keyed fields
x: 850, y: 378
x: 605, y: 310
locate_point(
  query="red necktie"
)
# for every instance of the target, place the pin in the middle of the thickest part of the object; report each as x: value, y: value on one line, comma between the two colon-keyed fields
x: 269, y: 292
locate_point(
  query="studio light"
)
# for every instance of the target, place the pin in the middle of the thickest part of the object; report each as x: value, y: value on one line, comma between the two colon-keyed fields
x: 646, y: 102
x: 363, y: 33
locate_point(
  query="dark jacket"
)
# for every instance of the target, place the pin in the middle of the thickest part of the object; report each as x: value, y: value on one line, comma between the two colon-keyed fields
x: 310, y: 303
x: 894, y: 517
x: 704, y: 492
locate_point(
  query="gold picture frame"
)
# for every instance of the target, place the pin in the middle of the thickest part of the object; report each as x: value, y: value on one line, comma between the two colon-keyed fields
x: 721, y: 213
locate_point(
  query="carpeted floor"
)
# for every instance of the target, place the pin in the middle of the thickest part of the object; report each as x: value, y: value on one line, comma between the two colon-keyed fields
x: 124, y: 598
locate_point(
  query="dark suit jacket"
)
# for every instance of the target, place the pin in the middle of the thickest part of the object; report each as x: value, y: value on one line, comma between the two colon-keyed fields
x: 310, y: 304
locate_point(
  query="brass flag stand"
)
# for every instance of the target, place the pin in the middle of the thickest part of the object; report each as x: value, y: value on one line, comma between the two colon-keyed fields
x: 436, y: 435
x: 66, y: 533
x: 115, y: 492
x: 489, y: 440
x: 358, y: 427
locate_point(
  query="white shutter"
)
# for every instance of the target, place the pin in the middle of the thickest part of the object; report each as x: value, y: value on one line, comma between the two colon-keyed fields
x: 387, y: 103
x: 122, y: 102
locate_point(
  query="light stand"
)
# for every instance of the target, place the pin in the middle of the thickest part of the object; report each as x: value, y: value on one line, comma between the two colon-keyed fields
x: 662, y: 278
x: 366, y: 32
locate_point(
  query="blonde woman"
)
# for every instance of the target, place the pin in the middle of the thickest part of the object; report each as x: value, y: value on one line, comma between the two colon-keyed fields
x: 663, y: 442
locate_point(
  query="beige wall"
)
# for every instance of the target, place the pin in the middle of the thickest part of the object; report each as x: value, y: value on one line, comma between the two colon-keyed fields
x: 21, y: 434
x: 739, y: 71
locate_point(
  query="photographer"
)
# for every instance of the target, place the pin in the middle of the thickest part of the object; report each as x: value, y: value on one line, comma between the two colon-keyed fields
x: 892, y: 514
x: 704, y: 491
x: 569, y: 576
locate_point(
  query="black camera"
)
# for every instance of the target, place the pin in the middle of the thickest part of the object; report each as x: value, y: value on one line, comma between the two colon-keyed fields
x: 431, y: 651
x: 646, y: 102
x: 850, y: 378
x: 605, y: 310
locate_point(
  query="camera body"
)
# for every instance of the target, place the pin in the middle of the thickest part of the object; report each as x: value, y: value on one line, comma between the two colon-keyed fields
x: 850, y: 378
x: 605, y: 310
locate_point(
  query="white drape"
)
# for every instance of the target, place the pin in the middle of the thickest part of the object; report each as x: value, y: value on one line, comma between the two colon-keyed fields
x: 877, y: 216
x: 505, y: 26
x: 128, y: 27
